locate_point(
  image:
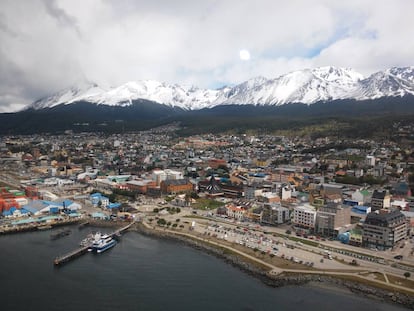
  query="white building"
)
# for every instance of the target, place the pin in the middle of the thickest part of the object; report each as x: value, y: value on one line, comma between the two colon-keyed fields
x: 235, y: 212
x: 158, y: 176
x: 171, y: 174
x: 304, y: 216
x: 286, y: 193
x: 370, y: 160
x: 161, y: 175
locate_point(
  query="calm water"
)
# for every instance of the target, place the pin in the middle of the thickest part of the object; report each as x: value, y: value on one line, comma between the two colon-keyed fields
x: 143, y: 273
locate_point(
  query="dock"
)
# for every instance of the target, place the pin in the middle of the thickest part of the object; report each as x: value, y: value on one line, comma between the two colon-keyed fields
x: 121, y: 230
x: 71, y: 255
x: 58, y: 261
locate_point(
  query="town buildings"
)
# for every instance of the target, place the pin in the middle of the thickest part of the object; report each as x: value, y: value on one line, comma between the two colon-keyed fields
x: 384, y: 229
x: 316, y: 186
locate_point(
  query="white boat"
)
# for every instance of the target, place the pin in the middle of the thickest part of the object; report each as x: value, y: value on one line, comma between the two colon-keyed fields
x: 88, y: 240
x: 101, y: 243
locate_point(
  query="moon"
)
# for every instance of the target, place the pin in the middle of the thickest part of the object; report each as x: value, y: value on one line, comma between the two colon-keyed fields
x: 244, y: 54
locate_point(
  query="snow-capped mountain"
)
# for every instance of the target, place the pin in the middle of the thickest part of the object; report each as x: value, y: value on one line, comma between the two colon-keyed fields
x: 172, y: 95
x: 304, y: 86
x: 391, y: 82
x: 67, y: 96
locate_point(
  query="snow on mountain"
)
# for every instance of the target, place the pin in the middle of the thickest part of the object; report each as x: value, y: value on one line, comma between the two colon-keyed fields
x: 68, y: 96
x: 391, y: 82
x: 172, y: 95
x: 303, y: 86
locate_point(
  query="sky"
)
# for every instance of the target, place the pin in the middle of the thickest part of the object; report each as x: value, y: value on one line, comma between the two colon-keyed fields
x: 50, y: 45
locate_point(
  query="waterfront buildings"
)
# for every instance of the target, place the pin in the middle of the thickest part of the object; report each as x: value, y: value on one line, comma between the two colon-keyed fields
x: 383, y: 229
x: 304, y: 216
x: 332, y: 219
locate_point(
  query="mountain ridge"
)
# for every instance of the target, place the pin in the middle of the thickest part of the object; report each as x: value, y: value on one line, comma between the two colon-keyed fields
x: 307, y: 86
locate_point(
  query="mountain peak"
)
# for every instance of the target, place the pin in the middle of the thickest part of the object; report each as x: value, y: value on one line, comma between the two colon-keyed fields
x: 302, y: 86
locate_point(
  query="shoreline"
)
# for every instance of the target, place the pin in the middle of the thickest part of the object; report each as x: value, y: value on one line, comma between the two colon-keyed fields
x: 283, y: 279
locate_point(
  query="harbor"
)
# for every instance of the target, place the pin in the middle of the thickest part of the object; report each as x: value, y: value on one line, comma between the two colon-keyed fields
x: 38, y: 223
x: 86, y: 246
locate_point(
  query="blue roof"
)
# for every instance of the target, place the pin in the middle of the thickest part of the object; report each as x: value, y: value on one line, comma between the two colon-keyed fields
x: 99, y: 215
x: 359, y: 209
x: 114, y: 205
x: 7, y: 213
x: 29, y: 209
x: 97, y: 194
x: 45, y: 202
x: 67, y: 202
x: 260, y: 175
x: 350, y: 202
x: 23, y: 221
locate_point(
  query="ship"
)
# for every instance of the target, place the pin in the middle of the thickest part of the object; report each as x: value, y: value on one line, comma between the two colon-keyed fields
x: 101, y: 243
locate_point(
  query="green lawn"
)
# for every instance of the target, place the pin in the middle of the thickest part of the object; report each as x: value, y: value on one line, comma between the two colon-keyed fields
x: 207, y: 204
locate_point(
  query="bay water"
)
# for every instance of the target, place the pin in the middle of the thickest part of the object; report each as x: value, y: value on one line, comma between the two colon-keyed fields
x: 146, y: 273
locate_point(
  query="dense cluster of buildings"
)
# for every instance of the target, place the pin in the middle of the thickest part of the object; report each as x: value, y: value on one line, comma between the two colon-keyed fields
x: 356, y: 190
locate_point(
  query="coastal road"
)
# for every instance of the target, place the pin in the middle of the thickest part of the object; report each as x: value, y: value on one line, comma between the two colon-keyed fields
x: 327, y: 264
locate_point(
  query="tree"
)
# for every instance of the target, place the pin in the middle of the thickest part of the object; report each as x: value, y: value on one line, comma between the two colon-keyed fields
x: 407, y: 274
x: 161, y: 222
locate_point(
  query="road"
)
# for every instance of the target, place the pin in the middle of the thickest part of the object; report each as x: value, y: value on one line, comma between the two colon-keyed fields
x: 302, y: 252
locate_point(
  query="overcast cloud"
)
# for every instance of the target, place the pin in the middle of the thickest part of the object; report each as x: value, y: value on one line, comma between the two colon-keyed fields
x: 48, y: 45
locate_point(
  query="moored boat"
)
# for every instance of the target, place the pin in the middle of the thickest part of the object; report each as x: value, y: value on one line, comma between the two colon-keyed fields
x: 101, y: 243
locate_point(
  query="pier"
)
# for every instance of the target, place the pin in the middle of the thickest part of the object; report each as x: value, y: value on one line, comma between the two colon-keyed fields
x: 71, y: 255
x: 121, y: 230
x: 58, y: 261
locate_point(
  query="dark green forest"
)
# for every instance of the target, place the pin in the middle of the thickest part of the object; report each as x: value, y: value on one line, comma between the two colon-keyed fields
x: 341, y: 118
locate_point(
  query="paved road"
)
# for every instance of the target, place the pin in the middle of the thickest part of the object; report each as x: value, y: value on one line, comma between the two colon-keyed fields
x: 373, y: 266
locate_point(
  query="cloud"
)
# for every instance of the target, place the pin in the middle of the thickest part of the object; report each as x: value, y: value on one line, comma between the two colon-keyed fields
x: 48, y: 45
x: 60, y: 15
